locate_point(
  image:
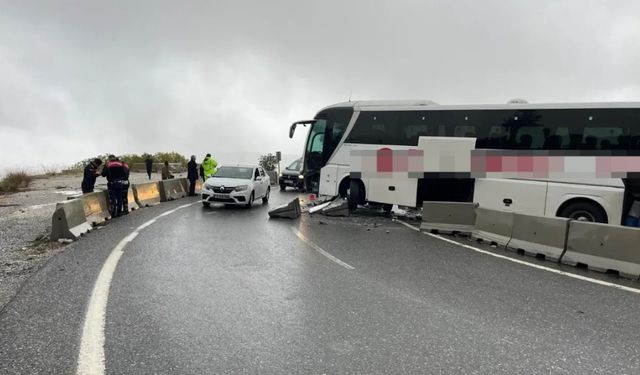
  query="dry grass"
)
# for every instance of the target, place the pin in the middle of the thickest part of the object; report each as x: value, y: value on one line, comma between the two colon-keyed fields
x: 15, y: 180
x: 49, y: 170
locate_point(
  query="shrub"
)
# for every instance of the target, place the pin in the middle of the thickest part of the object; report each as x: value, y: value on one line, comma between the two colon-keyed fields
x: 158, y: 157
x: 15, y: 180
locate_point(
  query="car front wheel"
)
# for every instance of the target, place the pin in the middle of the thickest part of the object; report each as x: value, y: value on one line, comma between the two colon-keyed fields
x: 250, y: 202
x: 265, y: 199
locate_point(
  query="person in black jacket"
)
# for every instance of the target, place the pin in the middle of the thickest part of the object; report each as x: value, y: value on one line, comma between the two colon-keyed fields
x: 90, y: 175
x: 149, y: 164
x: 192, y: 175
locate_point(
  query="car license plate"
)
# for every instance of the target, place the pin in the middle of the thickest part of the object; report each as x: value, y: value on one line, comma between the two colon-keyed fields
x: 220, y: 196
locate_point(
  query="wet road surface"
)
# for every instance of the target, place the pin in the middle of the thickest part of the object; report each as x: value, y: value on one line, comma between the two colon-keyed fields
x: 226, y: 290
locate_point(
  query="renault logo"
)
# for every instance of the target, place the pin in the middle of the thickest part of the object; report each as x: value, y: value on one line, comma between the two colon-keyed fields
x: 221, y: 187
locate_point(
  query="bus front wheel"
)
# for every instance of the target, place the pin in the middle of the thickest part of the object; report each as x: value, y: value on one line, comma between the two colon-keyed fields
x: 584, y: 211
x: 355, y: 194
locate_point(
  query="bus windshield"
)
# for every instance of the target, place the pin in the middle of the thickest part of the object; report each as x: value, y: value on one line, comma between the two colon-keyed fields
x: 325, y: 135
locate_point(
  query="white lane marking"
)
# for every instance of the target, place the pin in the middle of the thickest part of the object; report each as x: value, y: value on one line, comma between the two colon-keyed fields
x: 91, y: 358
x: 146, y: 224
x: 320, y: 250
x: 532, y: 265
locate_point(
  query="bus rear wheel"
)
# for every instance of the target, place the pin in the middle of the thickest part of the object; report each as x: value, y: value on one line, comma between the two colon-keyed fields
x: 584, y: 211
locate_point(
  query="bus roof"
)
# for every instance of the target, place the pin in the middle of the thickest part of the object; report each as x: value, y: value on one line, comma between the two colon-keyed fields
x: 408, y: 105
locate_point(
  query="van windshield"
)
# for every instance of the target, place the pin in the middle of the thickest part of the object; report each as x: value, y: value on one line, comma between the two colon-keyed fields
x: 295, y: 166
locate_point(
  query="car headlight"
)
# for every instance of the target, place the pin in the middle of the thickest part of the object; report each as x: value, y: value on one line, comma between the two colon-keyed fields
x: 241, y: 188
x: 301, y: 177
x: 208, y: 187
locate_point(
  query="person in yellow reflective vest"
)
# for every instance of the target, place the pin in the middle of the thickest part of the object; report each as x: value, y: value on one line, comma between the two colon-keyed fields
x: 209, y: 166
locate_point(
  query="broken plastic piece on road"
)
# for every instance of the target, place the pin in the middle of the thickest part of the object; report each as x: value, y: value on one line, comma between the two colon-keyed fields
x: 319, y: 207
x: 287, y: 211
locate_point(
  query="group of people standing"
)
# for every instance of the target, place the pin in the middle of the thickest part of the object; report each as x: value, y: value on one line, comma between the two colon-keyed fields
x: 116, y: 172
x: 208, y: 168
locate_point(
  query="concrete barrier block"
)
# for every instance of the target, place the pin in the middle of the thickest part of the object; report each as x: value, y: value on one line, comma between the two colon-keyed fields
x: 448, y: 217
x: 185, y: 184
x: 147, y: 194
x: 604, y: 247
x: 171, y: 189
x: 288, y: 211
x: 338, y: 207
x: 131, y: 200
x: 493, y: 226
x: 96, y: 207
x: 539, y: 235
x: 69, y: 221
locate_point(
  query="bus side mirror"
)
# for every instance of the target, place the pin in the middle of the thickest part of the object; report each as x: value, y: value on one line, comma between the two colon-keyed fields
x: 292, y: 130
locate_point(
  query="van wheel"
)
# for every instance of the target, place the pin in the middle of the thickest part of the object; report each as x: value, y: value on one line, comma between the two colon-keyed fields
x: 584, y: 211
x: 206, y: 204
x: 354, y: 195
x: 283, y: 187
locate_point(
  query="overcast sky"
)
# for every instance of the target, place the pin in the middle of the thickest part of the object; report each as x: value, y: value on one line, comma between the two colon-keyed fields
x: 79, y: 78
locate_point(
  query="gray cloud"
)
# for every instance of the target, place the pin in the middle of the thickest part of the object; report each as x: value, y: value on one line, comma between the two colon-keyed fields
x: 79, y: 78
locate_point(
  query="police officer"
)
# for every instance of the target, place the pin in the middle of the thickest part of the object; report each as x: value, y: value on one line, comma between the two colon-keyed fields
x: 125, y: 189
x: 209, y: 166
x: 116, y: 175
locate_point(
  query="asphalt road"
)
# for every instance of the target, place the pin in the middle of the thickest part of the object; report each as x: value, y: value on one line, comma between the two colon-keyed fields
x: 226, y: 290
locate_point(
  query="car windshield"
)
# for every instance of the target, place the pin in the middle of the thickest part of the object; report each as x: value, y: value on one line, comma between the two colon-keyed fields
x: 244, y: 173
x: 295, y: 166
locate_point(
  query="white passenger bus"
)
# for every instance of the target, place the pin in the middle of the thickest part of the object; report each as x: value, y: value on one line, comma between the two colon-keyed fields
x: 590, y: 128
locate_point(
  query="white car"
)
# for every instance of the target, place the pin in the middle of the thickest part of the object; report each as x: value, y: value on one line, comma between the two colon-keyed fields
x: 238, y: 184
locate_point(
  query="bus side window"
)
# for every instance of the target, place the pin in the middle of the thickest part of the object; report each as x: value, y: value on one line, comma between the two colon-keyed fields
x: 560, y: 140
x: 464, y: 131
x: 530, y: 138
x: 604, y: 138
x: 414, y: 125
x: 375, y: 128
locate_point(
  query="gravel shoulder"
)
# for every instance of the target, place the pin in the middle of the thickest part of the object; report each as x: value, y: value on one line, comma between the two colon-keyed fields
x: 25, y: 224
